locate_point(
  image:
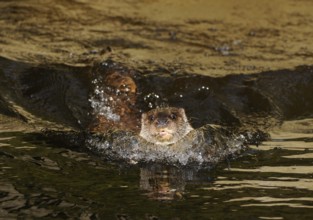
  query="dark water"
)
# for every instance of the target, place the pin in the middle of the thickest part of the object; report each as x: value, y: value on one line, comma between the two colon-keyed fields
x: 244, y: 65
x: 42, y: 180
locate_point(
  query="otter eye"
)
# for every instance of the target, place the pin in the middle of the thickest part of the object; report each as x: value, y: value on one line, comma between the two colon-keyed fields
x: 173, y: 116
x: 151, y: 117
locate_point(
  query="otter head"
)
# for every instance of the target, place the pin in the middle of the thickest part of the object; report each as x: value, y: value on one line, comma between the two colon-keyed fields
x: 164, y: 126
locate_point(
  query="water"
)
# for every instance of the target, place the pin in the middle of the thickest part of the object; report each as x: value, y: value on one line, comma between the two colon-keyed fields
x: 237, y: 64
x: 39, y: 180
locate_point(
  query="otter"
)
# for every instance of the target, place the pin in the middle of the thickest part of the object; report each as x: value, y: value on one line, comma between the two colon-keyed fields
x: 116, y: 109
x: 164, y: 126
x: 119, y: 94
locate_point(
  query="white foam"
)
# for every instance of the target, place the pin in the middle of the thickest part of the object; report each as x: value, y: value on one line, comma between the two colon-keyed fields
x: 206, y: 145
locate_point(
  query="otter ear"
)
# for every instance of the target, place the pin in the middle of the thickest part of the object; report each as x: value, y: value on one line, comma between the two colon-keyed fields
x: 144, y: 116
x: 181, y: 111
x: 182, y: 114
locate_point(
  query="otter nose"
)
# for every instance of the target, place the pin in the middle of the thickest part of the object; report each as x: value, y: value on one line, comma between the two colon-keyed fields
x: 162, y: 122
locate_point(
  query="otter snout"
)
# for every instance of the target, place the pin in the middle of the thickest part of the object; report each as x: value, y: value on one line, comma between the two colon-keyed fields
x: 164, y: 126
x: 162, y: 121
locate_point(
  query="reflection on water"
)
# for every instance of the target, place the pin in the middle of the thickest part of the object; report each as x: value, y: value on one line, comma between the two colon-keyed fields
x: 162, y: 183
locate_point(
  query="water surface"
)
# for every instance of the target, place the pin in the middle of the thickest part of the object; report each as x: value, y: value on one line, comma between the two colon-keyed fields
x: 242, y: 64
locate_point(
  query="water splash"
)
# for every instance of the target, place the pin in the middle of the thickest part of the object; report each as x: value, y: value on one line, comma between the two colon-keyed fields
x: 102, y: 103
x: 207, y: 145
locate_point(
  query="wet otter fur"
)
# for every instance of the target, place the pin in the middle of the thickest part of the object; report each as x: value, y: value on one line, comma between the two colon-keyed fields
x: 117, y: 90
x: 120, y: 91
x: 164, y: 126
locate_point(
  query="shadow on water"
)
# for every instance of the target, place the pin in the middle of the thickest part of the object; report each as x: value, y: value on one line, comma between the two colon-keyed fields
x: 62, y: 94
x: 51, y: 179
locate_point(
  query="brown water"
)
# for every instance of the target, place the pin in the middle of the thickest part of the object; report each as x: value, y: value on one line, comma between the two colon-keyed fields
x: 208, y: 37
x: 240, y: 63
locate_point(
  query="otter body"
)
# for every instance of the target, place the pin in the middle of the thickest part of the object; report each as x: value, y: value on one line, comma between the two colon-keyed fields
x: 114, y: 101
x: 164, y: 126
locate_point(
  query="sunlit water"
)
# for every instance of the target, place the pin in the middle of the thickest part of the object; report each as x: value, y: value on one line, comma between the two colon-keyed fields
x: 192, y: 60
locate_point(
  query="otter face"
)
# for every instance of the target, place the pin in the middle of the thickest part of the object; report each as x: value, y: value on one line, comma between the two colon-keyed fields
x: 164, y: 125
x: 121, y: 82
